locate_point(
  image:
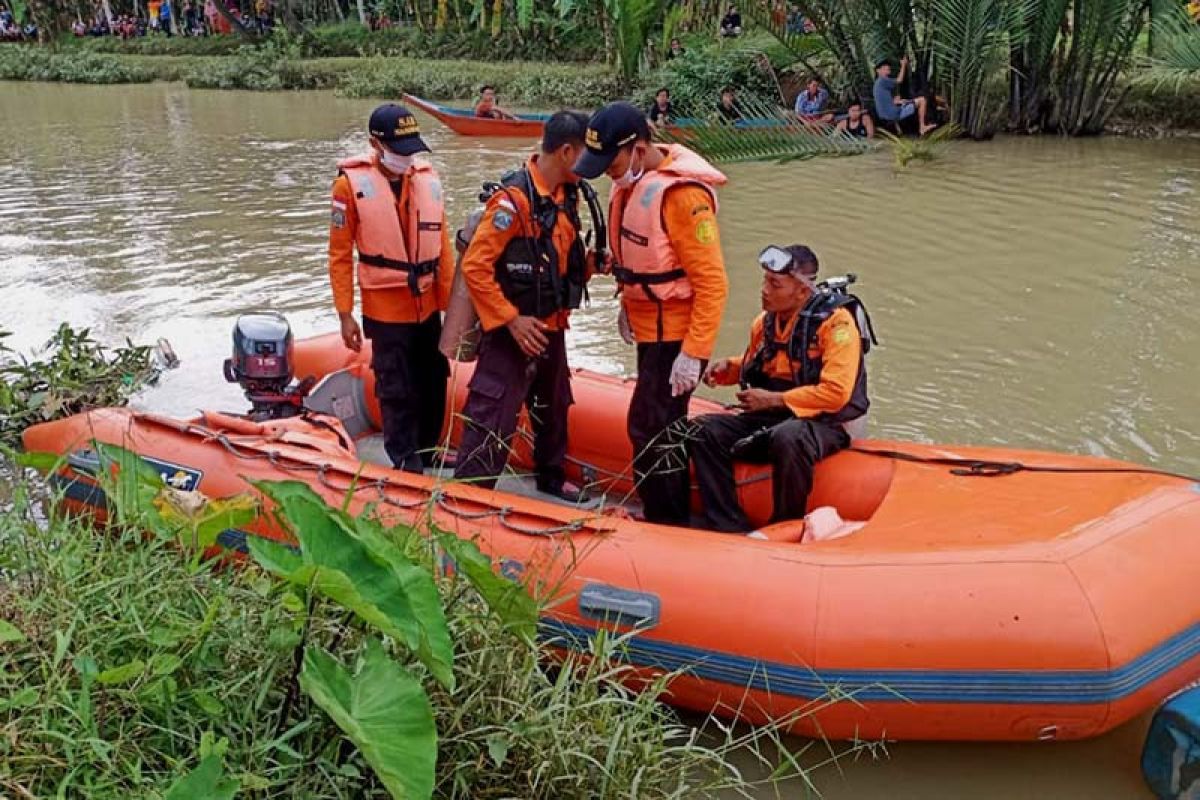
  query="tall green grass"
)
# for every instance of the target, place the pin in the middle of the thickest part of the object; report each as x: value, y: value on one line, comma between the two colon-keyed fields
x: 126, y: 662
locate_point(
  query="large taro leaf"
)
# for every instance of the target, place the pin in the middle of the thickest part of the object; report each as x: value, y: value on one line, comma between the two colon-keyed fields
x: 205, y: 782
x: 382, y: 709
x: 507, y: 599
x: 372, y: 578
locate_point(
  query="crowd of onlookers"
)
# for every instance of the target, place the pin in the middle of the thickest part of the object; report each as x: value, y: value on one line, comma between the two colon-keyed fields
x: 814, y: 107
x: 195, y: 18
x: 14, y: 30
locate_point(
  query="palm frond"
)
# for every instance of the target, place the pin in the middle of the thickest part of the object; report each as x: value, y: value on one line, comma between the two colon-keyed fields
x: 524, y: 13
x: 926, y: 148
x: 1177, y: 51
x: 765, y: 133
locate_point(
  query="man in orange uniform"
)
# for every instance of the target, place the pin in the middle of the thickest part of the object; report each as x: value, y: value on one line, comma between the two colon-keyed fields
x: 526, y: 268
x: 388, y: 205
x: 667, y: 260
x: 803, y: 377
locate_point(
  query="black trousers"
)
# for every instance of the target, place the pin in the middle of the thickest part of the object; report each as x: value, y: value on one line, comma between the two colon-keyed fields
x: 658, y: 429
x: 410, y: 382
x: 504, y: 380
x: 792, y: 447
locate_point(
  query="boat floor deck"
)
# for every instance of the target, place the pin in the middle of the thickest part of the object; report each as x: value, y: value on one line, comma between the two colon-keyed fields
x: 523, y: 484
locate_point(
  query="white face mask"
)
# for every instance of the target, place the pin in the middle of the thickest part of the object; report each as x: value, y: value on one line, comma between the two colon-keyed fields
x: 394, y: 162
x: 630, y: 177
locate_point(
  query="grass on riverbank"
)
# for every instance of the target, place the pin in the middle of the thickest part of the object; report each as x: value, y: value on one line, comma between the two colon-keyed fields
x: 550, y: 41
x: 269, y: 68
x: 1146, y: 110
x: 123, y: 663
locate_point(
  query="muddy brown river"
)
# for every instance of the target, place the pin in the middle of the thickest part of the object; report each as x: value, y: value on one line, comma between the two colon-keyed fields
x: 1027, y: 292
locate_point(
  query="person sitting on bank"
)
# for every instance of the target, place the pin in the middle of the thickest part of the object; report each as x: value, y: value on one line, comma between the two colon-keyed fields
x: 727, y: 108
x: 661, y: 111
x: 731, y: 23
x: 812, y: 104
x: 891, y: 108
x: 526, y: 269
x: 857, y: 122
x: 487, y: 108
x: 803, y: 376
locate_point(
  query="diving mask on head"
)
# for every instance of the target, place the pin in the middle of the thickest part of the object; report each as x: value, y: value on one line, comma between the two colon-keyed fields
x: 779, y: 261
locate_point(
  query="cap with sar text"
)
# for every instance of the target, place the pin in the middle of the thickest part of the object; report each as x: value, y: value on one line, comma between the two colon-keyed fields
x: 610, y: 129
x: 396, y: 129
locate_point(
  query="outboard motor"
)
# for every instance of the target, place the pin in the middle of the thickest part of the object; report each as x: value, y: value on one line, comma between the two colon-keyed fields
x: 262, y: 366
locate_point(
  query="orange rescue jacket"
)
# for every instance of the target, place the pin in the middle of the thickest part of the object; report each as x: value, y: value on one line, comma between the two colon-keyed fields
x: 637, y: 234
x: 391, y: 256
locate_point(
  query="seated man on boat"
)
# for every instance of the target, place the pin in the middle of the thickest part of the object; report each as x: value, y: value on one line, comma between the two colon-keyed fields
x: 803, y: 376
x: 487, y: 108
x: 526, y: 268
x: 388, y: 204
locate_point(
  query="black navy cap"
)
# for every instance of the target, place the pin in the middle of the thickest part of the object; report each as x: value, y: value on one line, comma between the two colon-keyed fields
x: 397, y: 129
x: 611, y: 128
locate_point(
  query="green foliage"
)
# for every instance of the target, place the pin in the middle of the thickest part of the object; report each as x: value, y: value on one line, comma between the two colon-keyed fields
x: 697, y: 77
x: 526, y: 84
x: 1059, y: 59
x: 971, y: 53
x: 926, y: 148
x: 75, y: 373
x: 382, y: 709
x: 362, y: 571
x: 549, y: 39
x: 205, y: 782
x: 29, y: 63
x: 129, y: 663
x: 1176, y: 60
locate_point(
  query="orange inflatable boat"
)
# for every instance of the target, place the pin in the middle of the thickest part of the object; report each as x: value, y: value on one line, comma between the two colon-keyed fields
x: 964, y: 593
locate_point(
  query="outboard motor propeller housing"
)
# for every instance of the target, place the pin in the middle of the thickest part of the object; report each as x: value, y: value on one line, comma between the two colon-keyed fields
x: 262, y: 365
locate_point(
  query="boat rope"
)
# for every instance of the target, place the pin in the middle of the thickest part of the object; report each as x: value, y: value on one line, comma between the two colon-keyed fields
x: 286, y: 464
x: 984, y: 468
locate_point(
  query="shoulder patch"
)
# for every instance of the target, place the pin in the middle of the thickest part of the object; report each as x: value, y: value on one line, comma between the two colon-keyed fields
x: 841, y: 334
x: 337, y: 216
x: 706, y: 231
x: 502, y: 220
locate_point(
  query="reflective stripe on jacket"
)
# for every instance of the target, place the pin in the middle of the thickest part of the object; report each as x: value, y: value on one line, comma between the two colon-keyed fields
x: 637, y: 237
x: 384, y: 257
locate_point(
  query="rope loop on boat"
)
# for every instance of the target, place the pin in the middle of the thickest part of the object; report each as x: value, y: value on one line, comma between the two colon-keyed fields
x: 380, y: 485
x: 975, y: 467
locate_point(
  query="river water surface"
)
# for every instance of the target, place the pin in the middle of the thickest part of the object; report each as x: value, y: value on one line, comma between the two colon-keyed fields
x: 1027, y: 292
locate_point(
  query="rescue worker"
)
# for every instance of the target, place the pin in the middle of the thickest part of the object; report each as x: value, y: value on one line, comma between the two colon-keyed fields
x: 526, y: 268
x: 388, y: 204
x: 803, y: 377
x: 666, y: 251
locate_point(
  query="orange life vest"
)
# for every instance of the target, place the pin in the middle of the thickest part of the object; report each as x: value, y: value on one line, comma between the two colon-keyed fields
x: 391, y: 256
x: 637, y: 238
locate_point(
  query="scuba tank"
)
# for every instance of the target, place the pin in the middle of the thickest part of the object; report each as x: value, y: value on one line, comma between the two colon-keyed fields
x: 460, y: 325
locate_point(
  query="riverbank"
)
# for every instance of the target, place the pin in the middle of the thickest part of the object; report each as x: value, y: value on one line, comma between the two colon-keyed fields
x: 1146, y: 111
x: 270, y: 68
